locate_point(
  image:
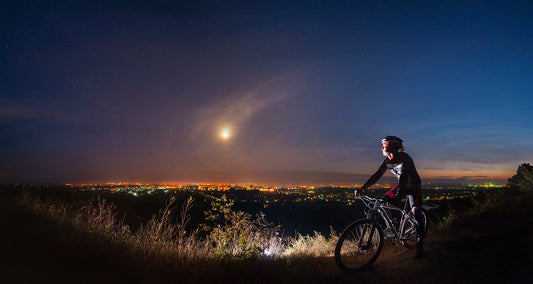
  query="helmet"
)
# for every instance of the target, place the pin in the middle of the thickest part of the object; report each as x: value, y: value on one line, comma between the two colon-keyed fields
x: 393, y: 141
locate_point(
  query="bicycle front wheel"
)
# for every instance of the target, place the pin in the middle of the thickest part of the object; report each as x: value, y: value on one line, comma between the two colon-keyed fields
x: 359, y: 245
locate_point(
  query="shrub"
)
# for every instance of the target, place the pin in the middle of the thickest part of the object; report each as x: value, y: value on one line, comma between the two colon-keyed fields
x: 523, y: 180
x: 237, y: 234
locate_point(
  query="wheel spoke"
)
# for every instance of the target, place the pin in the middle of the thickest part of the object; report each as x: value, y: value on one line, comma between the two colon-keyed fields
x: 358, y: 246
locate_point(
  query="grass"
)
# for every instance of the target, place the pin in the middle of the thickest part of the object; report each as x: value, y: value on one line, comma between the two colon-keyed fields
x: 228, y: 242
x: 226, y: 235
x: 501, y: 203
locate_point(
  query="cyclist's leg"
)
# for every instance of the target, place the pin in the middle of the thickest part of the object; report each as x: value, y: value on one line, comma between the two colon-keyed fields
x: 415, y: 200
x: 416, y: 206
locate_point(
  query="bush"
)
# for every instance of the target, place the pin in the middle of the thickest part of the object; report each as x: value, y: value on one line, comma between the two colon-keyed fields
x: 236, y: 234
x: 523, y: 180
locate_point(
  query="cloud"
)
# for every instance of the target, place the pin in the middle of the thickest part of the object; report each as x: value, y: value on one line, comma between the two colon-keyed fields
x: 14, y: 113
x: 463, y: 180
x: 475, y: 144
x: 470, y: 149
x: 255, y: 117
x: 18, y: 114
x: 237, y: 111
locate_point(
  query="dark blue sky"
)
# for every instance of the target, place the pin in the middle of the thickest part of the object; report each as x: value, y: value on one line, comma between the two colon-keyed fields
x: 99, y: 91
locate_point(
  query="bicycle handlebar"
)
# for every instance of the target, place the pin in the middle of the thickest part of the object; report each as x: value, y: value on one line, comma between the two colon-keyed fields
x: 370, y: 202
x: 369, y: 198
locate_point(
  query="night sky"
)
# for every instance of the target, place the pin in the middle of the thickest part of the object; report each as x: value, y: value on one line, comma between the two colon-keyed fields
x: 241, y: 91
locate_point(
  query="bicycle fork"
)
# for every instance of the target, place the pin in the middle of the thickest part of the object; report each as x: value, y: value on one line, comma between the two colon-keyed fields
x: 366, y: 243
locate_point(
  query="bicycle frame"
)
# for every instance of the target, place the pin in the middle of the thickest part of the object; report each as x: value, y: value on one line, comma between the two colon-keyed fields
x: 377, y: 207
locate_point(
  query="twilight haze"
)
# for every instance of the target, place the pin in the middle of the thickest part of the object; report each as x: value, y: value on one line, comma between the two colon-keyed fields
x: 239, y: 91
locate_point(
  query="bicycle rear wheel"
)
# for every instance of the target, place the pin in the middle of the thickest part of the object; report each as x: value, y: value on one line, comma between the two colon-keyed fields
x: 359, y: 245
x: 409, y: 233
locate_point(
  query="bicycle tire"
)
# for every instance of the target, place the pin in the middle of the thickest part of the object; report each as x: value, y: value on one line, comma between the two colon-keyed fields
x: 350, y: 255
x: 409, y: 233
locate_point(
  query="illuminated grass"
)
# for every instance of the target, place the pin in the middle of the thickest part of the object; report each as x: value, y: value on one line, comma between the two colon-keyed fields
x: 231, y: 235
x: 226, y: 235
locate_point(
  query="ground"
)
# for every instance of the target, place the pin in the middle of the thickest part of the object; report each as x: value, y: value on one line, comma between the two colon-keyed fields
x: 483, y: 249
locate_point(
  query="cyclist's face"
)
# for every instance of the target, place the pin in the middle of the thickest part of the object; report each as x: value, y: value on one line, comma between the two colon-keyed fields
x: 385, y: 150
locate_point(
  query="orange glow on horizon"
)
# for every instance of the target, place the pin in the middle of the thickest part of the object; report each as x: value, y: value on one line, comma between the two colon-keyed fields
x: 472, y: 175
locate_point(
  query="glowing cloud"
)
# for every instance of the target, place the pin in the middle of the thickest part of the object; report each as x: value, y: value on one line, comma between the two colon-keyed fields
x: 238, y: 109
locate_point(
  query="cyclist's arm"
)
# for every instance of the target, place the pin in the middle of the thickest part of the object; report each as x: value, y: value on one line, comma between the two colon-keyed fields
x: 402, y: 183
x: 407, y: 175
x: 376, y: 176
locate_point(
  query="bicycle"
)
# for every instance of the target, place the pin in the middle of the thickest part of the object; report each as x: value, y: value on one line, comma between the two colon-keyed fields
x: 361, y: 242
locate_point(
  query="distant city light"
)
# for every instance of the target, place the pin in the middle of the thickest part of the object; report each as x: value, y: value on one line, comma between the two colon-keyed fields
x: 269, y: 195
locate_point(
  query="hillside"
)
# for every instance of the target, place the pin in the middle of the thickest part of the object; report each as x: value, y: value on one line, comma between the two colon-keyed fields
x: 492, y: 247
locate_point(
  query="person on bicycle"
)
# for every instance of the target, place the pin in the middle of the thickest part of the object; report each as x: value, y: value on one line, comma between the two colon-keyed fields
x: 409, y: 183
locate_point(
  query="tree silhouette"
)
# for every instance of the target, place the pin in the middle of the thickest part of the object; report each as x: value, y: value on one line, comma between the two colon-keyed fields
x: 523, y: 180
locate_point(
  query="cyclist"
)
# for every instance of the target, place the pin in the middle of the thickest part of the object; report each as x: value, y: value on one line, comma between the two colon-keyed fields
x: 409, y: 184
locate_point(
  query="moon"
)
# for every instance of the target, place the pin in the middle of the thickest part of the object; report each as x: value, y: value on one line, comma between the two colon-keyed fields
x: 225, y: 133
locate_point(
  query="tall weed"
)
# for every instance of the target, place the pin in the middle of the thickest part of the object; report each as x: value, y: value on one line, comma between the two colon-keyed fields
x: 229, y: 234
x: 316, y: 245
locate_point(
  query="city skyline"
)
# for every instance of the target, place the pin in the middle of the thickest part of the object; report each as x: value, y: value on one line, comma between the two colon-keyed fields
x: 274, y: 92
